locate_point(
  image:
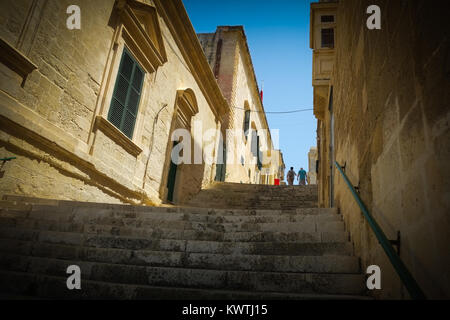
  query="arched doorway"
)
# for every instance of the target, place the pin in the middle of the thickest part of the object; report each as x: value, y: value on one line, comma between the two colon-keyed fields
x: 186, y: 107
x: 221, y: 165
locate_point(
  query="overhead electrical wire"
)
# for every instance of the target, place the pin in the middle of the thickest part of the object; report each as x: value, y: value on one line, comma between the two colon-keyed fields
x: 275, y: 112
x: 292, y: 111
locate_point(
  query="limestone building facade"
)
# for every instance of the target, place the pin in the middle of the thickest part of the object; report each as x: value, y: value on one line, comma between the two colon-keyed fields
x: 312, y: 166
x: 229, y: 56
x: 322, y: 41
x: 382, y: 102
x: 94, y: 114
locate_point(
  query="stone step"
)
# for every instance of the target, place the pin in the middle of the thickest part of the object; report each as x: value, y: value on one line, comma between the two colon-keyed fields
x: 254, y: 195
x: 252, y: 205
x: 353, y: 284
x: 224, y: 195
x: 232, y: 195
x: 192, y: 208
x: 261, y: 192
x: 238, y: 199
x: 77, y: 237
x: 243, y: 203
x: 51, y: 287
x: 211, y: 216
x: 216, y: 261
x: 235, y: 186
x: 133, y: 211
x: 145, y: 225
x: 116, y: 250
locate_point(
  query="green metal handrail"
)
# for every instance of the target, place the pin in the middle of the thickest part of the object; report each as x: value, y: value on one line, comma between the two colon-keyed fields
x: 7, y: 159
x: 403, y: 272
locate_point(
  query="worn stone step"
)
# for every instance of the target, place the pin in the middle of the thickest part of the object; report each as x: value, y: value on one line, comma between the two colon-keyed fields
x: 303, y: 264
x: 217, y: 261
x: 51, y: 287
x: 247, y: 202
x: 214, y: 200
x: 116, y: 250
x: 235, y: 186
x: 261, y: 192
x: 66, y: 234
x: 271, y: 248
x: 243, y: 198
x: 254, y: 194
x: 257, y: 206
x: 194, y: 278
x: 238, y: 196
x: 231, y: 195
x: 79, y: 215
x: 142, y: 211
x: 143, y: 226
x: 198, y: 222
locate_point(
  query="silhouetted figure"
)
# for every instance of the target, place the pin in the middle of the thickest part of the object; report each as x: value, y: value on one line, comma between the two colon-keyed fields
x: 291, y: 176
x: 302, y: 177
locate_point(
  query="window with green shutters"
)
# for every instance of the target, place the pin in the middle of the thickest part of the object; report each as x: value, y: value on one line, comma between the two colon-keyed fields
x: 246, y: 122
x: 126, y: 96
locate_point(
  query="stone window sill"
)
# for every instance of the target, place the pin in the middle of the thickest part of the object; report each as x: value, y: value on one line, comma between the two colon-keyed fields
x: 117, y: 136
x: 15, y: 60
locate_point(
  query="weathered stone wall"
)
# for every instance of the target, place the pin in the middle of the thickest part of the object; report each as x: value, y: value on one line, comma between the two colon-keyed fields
x: 312, y: 159
x: 391, y: 102
x: 234, y: 76
x: 49, y: 122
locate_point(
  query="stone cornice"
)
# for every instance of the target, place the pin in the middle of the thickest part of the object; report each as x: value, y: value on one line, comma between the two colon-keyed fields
x: 256, y: 92
x: 25, y: 124
x: 145, y: 40
x: 179, y: 24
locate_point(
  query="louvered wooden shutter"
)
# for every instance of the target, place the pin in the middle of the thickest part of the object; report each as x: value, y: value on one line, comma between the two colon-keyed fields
x: 258, y: 153
x: 246, y: 122
x: 254, y: 143
x: 126, y: 96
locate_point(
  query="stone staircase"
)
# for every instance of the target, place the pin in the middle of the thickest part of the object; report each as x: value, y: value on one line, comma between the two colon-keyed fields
x: 217, y: 247
x: 256, y: 196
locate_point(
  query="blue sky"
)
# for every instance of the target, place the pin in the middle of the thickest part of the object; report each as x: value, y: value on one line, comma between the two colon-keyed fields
x: 278, y: 36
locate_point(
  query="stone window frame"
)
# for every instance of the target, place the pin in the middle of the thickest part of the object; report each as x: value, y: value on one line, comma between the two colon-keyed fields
x: 328, y: 45
x: 327, y: 16
x: 135, y: 66
x: 327, y: 25
x: 136, y: 29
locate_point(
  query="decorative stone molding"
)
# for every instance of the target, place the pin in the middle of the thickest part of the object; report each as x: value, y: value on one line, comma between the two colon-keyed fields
x: 25, y: 124
x: 142, y: 33
x: 136, y: 28
x: 320, y: 101
x: 186, y: 107
x: 183, y: 32
x: 15, y: 60
x: 117, y: 136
